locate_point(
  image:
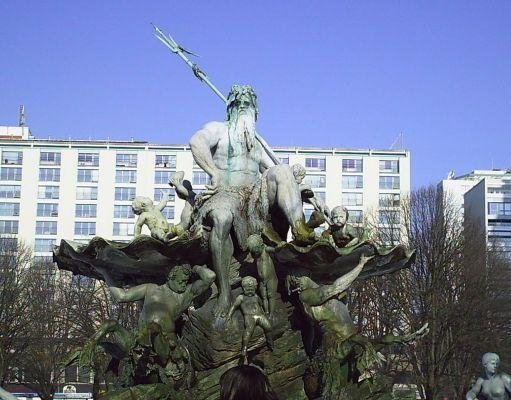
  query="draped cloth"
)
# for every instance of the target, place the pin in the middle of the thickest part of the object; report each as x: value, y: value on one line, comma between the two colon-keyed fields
x: 248, y: 206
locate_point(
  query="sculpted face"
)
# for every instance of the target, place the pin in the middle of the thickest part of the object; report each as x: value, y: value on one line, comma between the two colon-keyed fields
x: 339, y: 216
x: 491, y: 362
x: 178, y: 280
x: 249, y: 285
x: 255, y: 245
x: 141, y: 204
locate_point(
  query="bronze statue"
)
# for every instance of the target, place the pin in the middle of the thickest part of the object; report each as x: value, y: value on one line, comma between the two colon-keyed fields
x: 164, y: 304
x: 151, y: 216
x: 494, y: 385
x: 253, y: 315
x: 266, y: 271
x: 340, y: 233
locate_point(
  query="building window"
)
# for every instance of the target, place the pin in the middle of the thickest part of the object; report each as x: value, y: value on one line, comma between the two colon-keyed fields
x: 501, y: 208
x: 9, y: 209
x: 49, y: 174
x: 49, y: 158
x: 200, y: 178
x: 320, y: 195
x: 125, y: 176
x: 44, y: 245
x: 388, y: 199
x: 284, y: 160
x: 88, y: 159
x: 46, y: 227
x: 9, y: 227
x: 10, y: 174
x: 86, y: 210
x: 121, y: 211
x: 123, y: 229
x: 168, y: 212
x: 165, y: 161
x: 162, y: 176
x: 316, y: 181
x: 389, y: 182
x: 10, y: 191
x: 86, y: 193
x: 315, y: 163
x: 48, y: 192
x: 352, y: 165
x: 390, y: 235
x: 352, y: 199
x: 391, y: 166
x: 352, y: 182
x: 85, y: 228
x: 12, y: 157
x: 389, y: 217
x: 47, y: 209
x: 124, y: 193
x: 126, y: 160
x: 355, y: 216
x: 88, y: 175
x: 158, y: 194
x: 8, y: 245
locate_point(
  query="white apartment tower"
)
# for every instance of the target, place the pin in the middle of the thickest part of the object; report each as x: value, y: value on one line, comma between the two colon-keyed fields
x: 485, y: 197
x: 73, y: 189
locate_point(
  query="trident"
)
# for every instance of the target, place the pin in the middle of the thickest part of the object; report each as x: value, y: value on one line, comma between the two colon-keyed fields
x: 175, y: 48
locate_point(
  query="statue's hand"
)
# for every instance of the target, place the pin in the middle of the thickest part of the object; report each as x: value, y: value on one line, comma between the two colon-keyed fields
x: 212, y: 188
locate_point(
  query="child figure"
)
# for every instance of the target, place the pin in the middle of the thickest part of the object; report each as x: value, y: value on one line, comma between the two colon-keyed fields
x: 266, y: 271
x: 152, y: 216
x: 250, y: 304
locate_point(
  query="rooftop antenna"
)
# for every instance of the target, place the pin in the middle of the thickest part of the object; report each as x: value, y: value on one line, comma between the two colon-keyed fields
x: 22, y: 120
x: 398, y: 143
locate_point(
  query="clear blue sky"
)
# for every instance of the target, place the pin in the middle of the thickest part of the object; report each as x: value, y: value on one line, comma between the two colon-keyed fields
x: 327, y: 73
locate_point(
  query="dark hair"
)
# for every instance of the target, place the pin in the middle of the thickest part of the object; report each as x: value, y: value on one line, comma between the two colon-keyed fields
x: 245, y: 382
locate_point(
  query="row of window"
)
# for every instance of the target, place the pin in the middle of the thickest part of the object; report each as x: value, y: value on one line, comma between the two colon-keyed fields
x: 499, y: 208
x: 353, y: 182
x: 169, y: 161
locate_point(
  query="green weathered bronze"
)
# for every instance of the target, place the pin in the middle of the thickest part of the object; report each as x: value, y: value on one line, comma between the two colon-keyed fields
x: 231, y: 244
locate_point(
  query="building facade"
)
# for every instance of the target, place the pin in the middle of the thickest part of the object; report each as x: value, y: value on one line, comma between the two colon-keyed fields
x: 484, y: 196
x: 54, y: 189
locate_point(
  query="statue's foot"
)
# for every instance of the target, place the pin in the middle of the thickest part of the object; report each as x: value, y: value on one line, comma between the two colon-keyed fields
x: 222, y: 306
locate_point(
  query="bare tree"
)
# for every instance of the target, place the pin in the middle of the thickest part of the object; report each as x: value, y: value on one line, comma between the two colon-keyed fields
x: 455, y: 284
x: 50, y: 339
x: 15, y: 258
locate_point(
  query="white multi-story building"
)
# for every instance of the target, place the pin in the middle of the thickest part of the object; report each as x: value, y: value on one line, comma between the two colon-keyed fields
x: 53, y: 189
x: 484, y: 196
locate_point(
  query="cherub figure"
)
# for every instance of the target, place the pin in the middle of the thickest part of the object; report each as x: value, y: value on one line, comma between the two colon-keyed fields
x: 340, y: 233
x: 266, y: 271
x: 250, y: 304
x: 151, y: 215
x: 308, y: 196
x: 185, y: 192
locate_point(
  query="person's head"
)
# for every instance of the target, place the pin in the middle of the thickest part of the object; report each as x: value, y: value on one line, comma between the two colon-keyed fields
x: 491, y: 362
x: 339, y: 215
x: 249, y: 285
x: 255, y: 245
x: 141, y: 204
x: 178, y: 278
x: 245, y: 382
x: 241, y: 99
x: 299, y: 172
